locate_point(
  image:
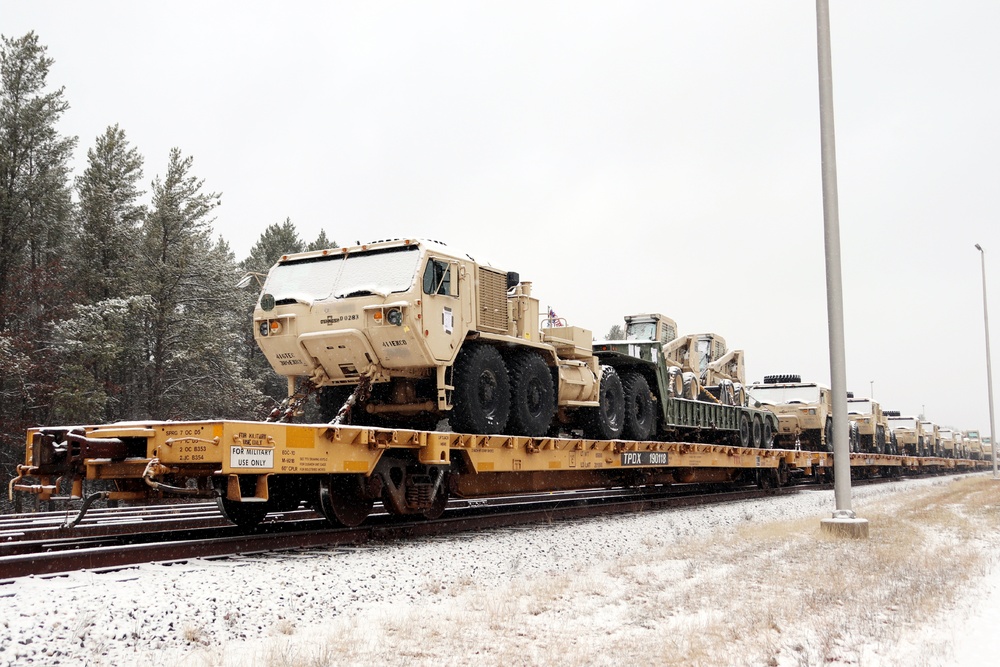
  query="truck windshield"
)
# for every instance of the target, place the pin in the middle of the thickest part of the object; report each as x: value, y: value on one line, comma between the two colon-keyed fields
x: 771, y: 395
x: 640, y: 331
x: 339, y: 276
x: 859, y: 406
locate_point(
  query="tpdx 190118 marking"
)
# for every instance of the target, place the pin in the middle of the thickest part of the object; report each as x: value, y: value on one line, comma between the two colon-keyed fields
x: 644, y: 458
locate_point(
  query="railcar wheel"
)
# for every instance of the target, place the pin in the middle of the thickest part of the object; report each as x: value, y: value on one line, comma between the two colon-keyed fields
x: 606, y: 421
x: 440, y: 501
x: 640, y: 419
x: 532, y: 396
x: 244, y: 515
x: 757, y: 432
x: 342, y: 500
x: 744, y: 430
x: 482, y: 391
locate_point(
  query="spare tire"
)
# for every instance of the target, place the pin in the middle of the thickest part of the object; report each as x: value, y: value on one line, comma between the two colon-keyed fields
x: 891, y: 413
x: 782, y: 379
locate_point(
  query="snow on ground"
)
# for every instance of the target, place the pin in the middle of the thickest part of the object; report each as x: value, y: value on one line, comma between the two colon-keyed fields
x: 505, y: 596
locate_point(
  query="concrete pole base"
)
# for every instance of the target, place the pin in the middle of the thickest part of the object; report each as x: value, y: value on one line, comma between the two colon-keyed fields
x: 845, y: 524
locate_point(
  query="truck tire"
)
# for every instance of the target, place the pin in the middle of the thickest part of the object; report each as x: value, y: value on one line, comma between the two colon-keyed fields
x: 640, y: 419
x: 767, y: 434
x: 532, y: 396
x: 880, y: 439
x: 606, y: 421
x: 782, y: 379
x: 481, y: 399
x: 828, y: 434
x: 757, y: 433
x: 744, y: 432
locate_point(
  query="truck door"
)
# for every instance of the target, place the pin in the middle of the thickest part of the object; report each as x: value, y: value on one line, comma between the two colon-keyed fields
x: 444, y: 323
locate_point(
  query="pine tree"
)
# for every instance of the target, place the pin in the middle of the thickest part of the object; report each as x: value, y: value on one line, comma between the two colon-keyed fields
x: 35, y: 212
x: 322, y: 242
x: 107, y: 243
x: 35, y: 202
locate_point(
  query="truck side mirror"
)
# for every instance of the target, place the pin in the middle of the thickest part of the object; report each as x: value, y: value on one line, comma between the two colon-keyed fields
x: 512, y: 279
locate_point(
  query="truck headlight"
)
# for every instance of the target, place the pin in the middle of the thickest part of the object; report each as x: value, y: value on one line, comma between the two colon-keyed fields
x: 394, y: 316
x: 263, y: 328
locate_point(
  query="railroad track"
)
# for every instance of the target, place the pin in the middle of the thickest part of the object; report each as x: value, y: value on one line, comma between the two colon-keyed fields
x: 115, y: 538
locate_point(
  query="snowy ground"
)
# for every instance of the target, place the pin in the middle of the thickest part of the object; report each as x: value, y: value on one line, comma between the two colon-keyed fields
x: 673, y: 587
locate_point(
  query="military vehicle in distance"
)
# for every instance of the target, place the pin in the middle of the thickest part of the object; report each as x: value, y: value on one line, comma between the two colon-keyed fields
x: 973, y: 445
x: 804, y: 411
x: 932, y: 439
x: 908, y: 432
x: 874, y: 435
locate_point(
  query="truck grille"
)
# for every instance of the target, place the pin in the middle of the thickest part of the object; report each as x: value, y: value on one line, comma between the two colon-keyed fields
x: 492, y: 301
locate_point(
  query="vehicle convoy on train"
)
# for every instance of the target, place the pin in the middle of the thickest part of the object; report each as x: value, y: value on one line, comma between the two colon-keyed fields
x: 396, y: 336
x: 408, y: 332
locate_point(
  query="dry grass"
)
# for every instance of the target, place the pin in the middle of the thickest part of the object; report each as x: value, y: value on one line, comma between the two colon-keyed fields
x: 778, y: 594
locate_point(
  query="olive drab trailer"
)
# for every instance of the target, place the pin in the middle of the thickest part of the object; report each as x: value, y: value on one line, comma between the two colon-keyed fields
x: 666, y: 388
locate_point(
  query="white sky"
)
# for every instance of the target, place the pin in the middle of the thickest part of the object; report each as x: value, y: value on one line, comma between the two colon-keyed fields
x: 625, y: 157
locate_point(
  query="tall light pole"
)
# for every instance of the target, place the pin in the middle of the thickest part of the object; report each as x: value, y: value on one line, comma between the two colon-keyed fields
x: 844, y: 521
x: 989, y: 365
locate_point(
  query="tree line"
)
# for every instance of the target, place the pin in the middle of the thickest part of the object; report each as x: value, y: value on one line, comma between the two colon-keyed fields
x: 116, y: 302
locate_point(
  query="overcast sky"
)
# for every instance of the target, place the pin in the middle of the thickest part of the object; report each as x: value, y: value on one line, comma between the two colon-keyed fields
x: 624, y: 156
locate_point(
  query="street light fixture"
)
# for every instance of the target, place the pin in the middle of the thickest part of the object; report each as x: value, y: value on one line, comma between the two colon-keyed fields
x: 989, y: 366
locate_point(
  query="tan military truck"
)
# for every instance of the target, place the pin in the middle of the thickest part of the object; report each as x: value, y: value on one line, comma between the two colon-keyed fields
x: 987, y: 444
x: 873, y: 427
x: 932, y: 439
x: 804, y: 410
x: 409, y: 331
x: 973, y: 445
x: 946, y: 440
x: 908, y: 432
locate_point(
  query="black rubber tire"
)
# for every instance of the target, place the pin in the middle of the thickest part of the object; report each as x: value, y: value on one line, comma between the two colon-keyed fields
x: 744, y: 431
x: 342, y: 501
x: 853, y: 438
x: 767, y: 434
x: 782, y: 379
x: 891, y: 413
x: 244, y: 515
x: 640, y: 416
x: 481, y: 400
x: 756, y: 433
x: 606, y: 421
x: 880, y: 439
x: 532, y: 396
x: 828, y: 434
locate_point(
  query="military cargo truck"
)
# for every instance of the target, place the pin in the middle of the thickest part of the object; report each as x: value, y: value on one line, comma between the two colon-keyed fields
x: 932, y: 439
x: 908, y: 432
x: 973, y: 445
x: 946, y: 438
x: 873, y: 427
x: 804, y: 411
